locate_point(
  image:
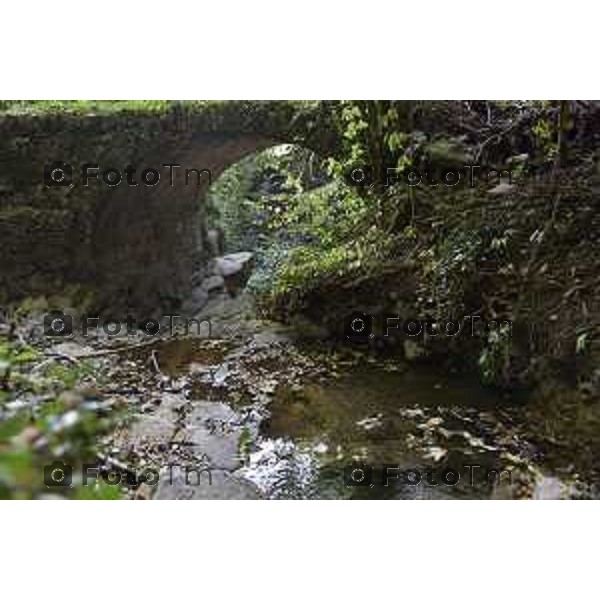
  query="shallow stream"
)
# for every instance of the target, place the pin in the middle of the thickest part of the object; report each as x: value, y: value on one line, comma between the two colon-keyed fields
x: 370, y: 430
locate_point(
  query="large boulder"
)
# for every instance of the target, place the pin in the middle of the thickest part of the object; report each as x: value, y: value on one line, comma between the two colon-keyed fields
x: 235, y: 270
x: 212, y: 430
x: 187, y: 483
x: 212, y: 284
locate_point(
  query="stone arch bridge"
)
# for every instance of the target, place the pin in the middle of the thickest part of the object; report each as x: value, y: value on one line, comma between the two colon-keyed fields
x: 135, y: 246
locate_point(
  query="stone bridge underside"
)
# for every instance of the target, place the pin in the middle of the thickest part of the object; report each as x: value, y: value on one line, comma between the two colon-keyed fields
x: 134, y: 247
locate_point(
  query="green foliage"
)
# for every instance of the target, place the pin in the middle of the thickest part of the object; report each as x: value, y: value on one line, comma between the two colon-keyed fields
x: 455, y: 259
x: 56, y: 421
x: 544, y: 134
x: 324, y: 216
x: 230, y: 205
x: 240, y: 205
x: 27, y: 445
x: 22, y: 353
x: 304, y: 233
x: 83, y: 106
x: 100, y: 490
x: 269, y: 203
x: 373, y: 133
x: 310, y: 267
x: 245, y: 442
x: 312, y: 237
x: 494, y: 361
x: 68, y: 376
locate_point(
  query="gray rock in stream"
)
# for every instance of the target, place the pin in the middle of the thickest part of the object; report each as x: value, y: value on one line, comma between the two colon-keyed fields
x: 179, y: 483
x: 155, y: 428
x: 213, y: 430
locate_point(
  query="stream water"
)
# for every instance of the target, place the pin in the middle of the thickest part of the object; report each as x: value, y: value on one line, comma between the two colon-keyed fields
x: 377, y: 434
x: 368, y: 430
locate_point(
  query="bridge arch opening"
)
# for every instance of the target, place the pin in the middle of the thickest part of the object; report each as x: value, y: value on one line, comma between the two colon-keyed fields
x: 258, y: 188
x: 255, y: 206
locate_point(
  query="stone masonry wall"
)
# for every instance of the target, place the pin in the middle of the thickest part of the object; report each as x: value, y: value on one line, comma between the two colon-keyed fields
x: 135, y: 247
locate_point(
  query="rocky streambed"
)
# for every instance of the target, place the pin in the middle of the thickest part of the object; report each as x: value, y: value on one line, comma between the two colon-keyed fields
x: 254, y: 412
